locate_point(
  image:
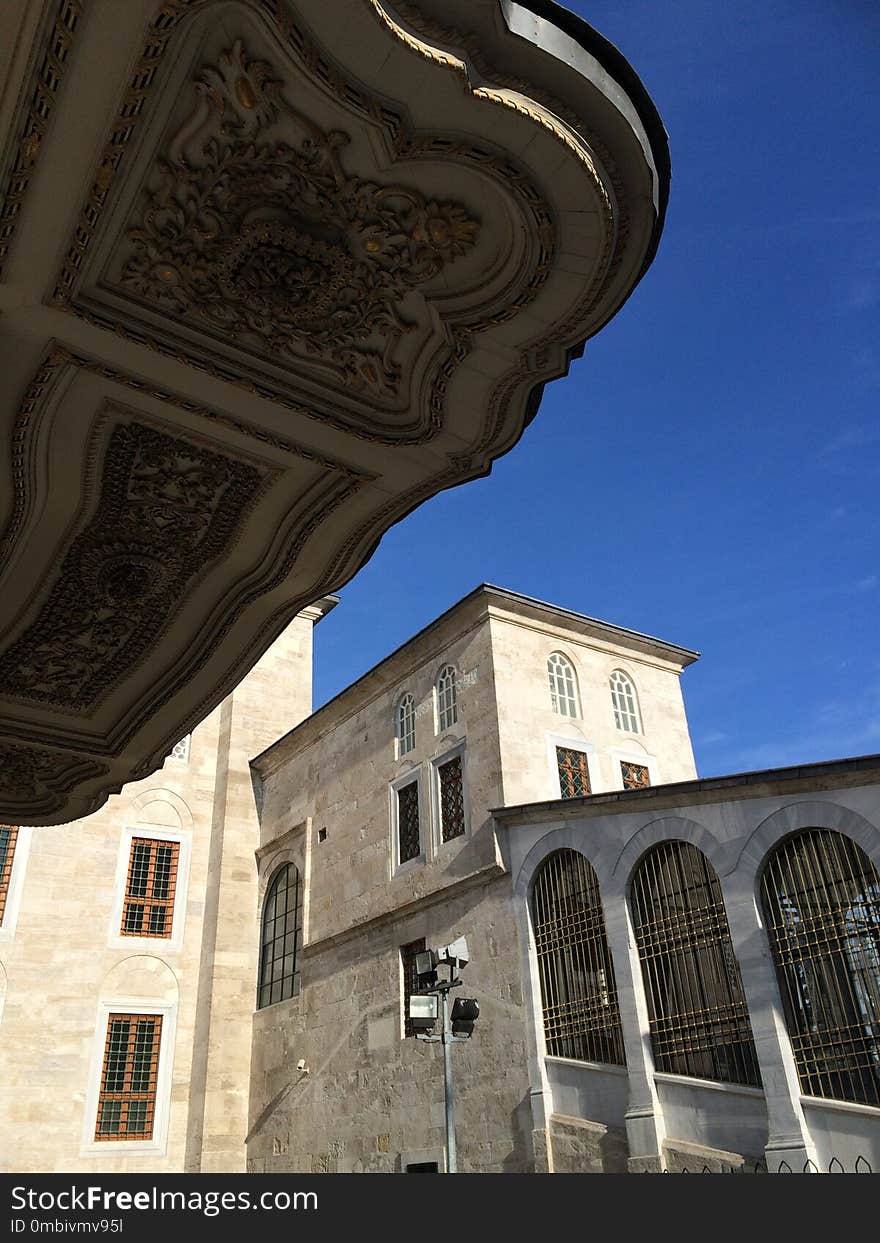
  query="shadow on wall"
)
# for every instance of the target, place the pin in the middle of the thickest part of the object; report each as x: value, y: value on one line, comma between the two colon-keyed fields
x: 521, y: 1158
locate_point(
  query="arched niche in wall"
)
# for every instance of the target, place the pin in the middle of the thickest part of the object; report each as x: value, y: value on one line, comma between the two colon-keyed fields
x: 161, y: 808
x: 143, y: 979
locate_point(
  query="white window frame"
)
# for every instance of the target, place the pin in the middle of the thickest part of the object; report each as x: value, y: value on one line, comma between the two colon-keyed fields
x: 91, y: 1147
x: 150, y: 945
x: 413, y: 775
x: 640, y: 727
x: 632, y: 755
x: 399, y: 753
x: 577, y: 715
x: 16, y: 881
x: 436, y: 827
x: 439, y: 726
x: 572, y: 743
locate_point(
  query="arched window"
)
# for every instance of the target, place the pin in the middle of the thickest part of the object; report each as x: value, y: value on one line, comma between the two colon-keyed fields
x: 563, y: 685
x: 281, y: 937
x: 447, y: 706
x: 624, y: 703
x: 821, y: 899
x: 405, y: 725
x: 578, y: 992
x: 696, y: 1007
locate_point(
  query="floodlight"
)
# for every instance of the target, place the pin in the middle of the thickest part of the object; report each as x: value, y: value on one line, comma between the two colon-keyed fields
x: 423, y: 1012
x: 465, y: 1012
x: 425, y: 966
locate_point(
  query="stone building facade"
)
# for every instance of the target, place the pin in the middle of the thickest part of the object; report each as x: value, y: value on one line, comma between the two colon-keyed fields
x: 673, y: 972
x: 381, y: 802
x: 176, y: 977
x: 747, y: 997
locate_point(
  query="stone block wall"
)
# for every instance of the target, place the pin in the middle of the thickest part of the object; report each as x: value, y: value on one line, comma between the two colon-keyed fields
x: 371, y: 1100
x: 581, y: 1147
x: 64, y: 961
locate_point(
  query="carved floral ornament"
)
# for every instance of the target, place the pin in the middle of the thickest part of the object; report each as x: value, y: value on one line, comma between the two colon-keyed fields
x: 36, y: 780
x: 222, y: 227
x: 168, y: 507
x: 277, y: 246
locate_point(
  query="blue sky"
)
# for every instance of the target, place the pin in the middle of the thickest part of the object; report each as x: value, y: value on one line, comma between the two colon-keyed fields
x: 709, y: 471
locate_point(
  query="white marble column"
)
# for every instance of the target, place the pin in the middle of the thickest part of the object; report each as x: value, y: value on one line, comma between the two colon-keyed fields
x: 645, y: 1129
x: 788, y: 1137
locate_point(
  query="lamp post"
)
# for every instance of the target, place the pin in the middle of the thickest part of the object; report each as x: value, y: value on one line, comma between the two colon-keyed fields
x: 425, y: 1001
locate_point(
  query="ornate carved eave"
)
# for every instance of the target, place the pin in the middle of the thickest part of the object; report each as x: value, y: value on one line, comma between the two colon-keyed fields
x: 272, y: 273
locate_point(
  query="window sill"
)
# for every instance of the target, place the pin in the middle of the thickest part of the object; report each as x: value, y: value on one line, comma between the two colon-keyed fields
x: 605, y: 1067
x: 739, y: 1089
x: 411, y: 865
x: 846, y: 1107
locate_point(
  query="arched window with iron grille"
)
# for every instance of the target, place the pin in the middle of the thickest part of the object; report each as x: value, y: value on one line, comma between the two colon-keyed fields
x: 697, y: 1010
x: 578, y: 991
x: 281, y: 937
x: 821, y: 899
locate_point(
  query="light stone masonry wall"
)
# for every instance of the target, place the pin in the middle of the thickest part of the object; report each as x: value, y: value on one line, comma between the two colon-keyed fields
x: 371, y: 1100
x: 530, y: 730
x: 677, y: 1120
x: 338, y: 768
x: 66, y: 962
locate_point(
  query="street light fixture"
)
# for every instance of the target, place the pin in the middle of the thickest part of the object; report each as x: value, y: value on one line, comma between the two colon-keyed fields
x: 432, y: 994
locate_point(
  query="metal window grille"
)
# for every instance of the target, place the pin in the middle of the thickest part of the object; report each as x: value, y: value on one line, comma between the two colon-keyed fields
x: 8, y: 838
x: 635, y: 776
x: 180, y: 750
x: 281, y: 937
x: 405, y: 725
x: 409, y: 844
x: 447, y: 707
x: 698, y: 1015
x: 127, y: 1099
x: 821, y: 898
x: 623, y: 701
x: 450, y: 779
x: 148, y: 907
x: 578, y: 990
x: 410, y: 980
x: 563, y: 686
x: 574, y: 773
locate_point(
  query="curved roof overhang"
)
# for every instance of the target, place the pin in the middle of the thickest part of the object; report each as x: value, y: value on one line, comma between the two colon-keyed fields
x: 268, y: 281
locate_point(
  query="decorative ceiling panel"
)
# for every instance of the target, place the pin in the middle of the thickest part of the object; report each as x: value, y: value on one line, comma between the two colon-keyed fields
x: 272, y: 272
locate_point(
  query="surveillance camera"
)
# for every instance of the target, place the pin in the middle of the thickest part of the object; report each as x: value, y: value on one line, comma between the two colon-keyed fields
x: 301, y: 1065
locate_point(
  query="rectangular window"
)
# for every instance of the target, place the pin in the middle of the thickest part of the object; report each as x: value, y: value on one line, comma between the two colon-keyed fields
x: 148, y: 908
x: 451, y: 799
x: 410, y: 981
x: 574, y: 773
x: 409, y: 844
x: 127, y: 1100
x: 8, y: 837
x: 635, y: 776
